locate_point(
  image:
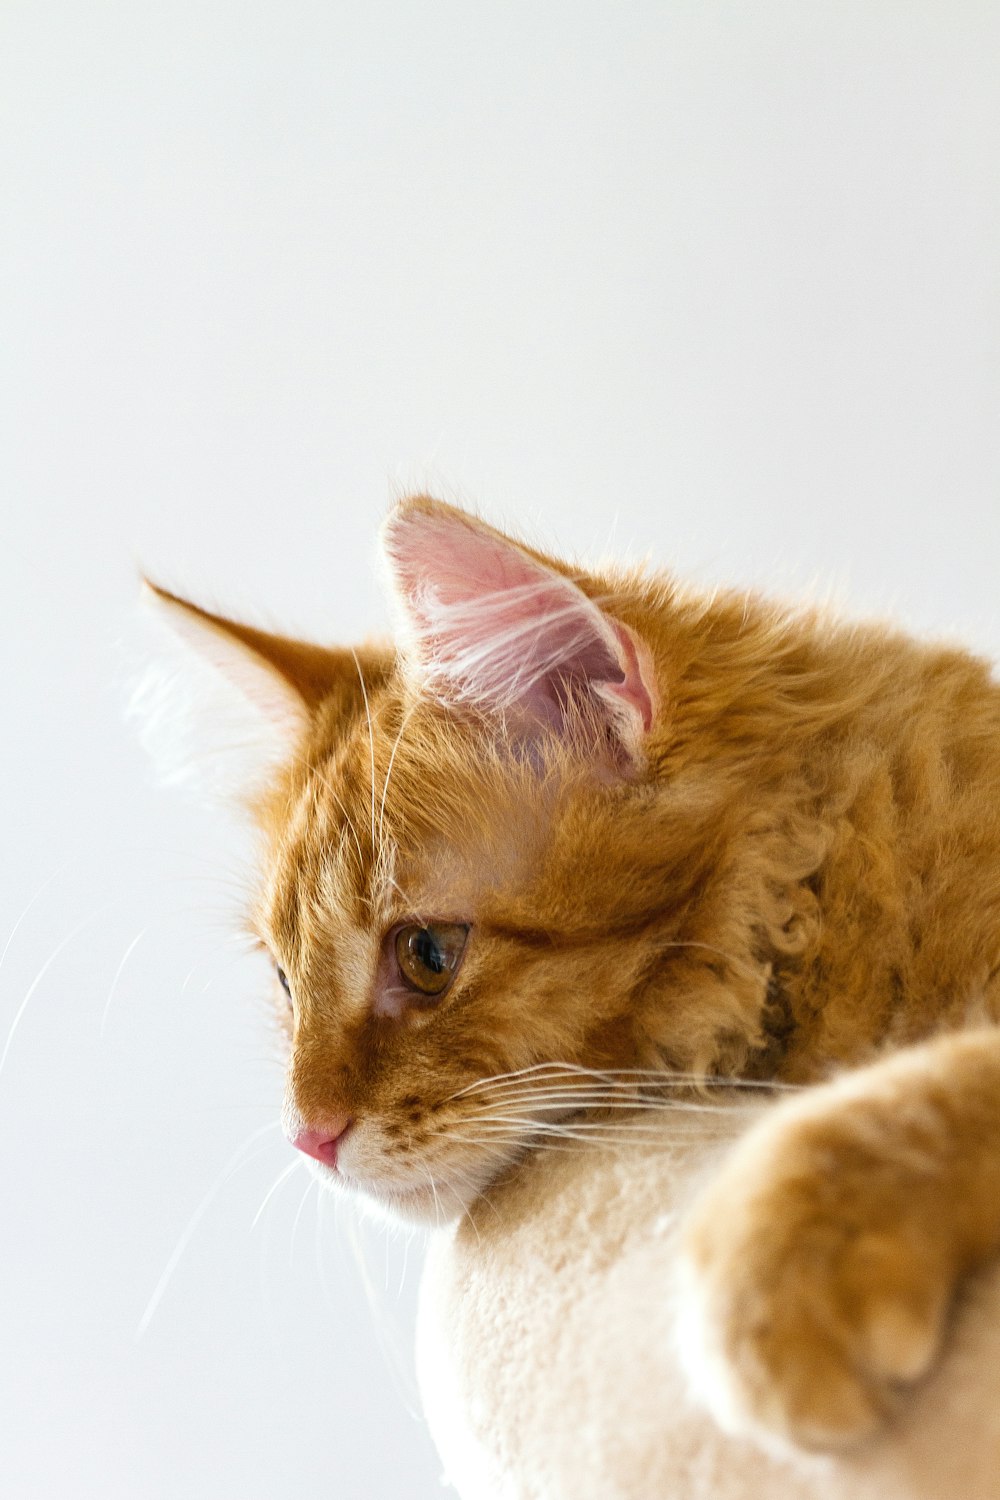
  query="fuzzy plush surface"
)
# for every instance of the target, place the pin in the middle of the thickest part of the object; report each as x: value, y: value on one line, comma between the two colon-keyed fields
x: 549, y: 1362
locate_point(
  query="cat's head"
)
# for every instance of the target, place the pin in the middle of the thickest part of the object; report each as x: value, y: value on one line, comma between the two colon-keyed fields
x: 456, y: 883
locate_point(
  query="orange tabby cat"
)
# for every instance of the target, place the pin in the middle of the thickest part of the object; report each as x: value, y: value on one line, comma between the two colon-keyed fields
x: 583, y: 830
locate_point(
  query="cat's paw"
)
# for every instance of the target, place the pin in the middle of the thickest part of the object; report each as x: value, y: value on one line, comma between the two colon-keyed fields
x: 816, y: 1272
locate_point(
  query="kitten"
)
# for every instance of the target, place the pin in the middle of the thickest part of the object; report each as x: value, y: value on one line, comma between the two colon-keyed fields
x: 585, y: 829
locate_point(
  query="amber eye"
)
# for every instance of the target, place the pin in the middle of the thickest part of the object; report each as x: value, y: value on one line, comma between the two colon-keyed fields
x: 428, y: 957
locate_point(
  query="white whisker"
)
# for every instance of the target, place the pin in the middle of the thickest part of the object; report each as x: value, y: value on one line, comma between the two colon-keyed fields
x: 321, y: 1202
x: 283, y: 1176
x: 465, y: 1212
x: 238, y: 1159
x: 520, y: 1121
x: 371, y: 739
x: 406, y: 1263
x: 602, y: 1102
x: 386, y: 1335
x: 39, y: 892
x: 385, y: 785
x: 312, y: 1183
x: 437, y: 1201
x: 614, y: 1077
x: 33, y: 986
x: 118, y: 974
x: 597, y: 1132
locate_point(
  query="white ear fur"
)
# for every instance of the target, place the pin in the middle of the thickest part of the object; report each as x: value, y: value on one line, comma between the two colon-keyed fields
x: 487, y: 623
x: 213, y: 714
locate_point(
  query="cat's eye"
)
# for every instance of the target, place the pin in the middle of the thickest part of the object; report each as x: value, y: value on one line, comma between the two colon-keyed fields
x: 283, y: 981
x: 428, y: 957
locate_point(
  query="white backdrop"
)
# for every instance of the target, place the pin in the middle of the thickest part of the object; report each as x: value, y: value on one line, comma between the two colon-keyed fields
x: 717, y: 283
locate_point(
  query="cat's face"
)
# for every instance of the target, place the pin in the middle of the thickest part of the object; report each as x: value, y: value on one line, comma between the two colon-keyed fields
x: 453, y: 928
x: 451, y: 860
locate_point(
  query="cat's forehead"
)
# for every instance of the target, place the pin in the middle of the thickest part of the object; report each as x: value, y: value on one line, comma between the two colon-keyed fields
x: 412, y: 818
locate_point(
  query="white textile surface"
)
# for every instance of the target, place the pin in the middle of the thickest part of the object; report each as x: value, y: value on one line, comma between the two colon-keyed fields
x: 548, y: 1360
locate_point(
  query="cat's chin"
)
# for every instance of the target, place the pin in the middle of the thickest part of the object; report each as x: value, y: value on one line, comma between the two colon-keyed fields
x: 425, y: 1205
x: 417, y: 1206
x: 421, y: 1205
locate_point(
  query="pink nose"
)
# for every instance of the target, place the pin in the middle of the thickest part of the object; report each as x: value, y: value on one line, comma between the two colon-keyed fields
x: 322, y: 1144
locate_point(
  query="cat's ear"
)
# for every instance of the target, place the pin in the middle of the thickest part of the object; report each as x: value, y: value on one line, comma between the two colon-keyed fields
x: 489, y: 622
x: 221, y: 704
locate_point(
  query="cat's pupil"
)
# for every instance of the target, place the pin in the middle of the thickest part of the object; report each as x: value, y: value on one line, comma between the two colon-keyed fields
x: 427, y: 952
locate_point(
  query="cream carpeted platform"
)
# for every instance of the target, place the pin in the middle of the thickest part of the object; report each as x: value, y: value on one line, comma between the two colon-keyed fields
x: 547, y: 1352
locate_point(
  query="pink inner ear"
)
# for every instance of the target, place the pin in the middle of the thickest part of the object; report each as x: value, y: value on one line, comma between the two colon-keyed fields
x: 496, y: 627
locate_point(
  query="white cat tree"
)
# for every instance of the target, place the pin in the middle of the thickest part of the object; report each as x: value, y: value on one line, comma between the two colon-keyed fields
x: 548, y: 1354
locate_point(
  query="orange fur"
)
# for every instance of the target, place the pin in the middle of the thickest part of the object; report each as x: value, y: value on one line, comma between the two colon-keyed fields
x: 796, y: 869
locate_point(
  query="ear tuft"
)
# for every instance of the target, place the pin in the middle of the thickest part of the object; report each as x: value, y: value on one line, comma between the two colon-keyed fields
x: 491, y: 624
x: 214, y: 713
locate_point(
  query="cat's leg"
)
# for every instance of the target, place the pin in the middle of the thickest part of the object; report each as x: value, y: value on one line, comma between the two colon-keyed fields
x: 819, y: 1265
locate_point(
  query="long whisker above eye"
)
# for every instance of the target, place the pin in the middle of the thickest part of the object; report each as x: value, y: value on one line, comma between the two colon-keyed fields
x: 388, y: 770
x: 371, y: 742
